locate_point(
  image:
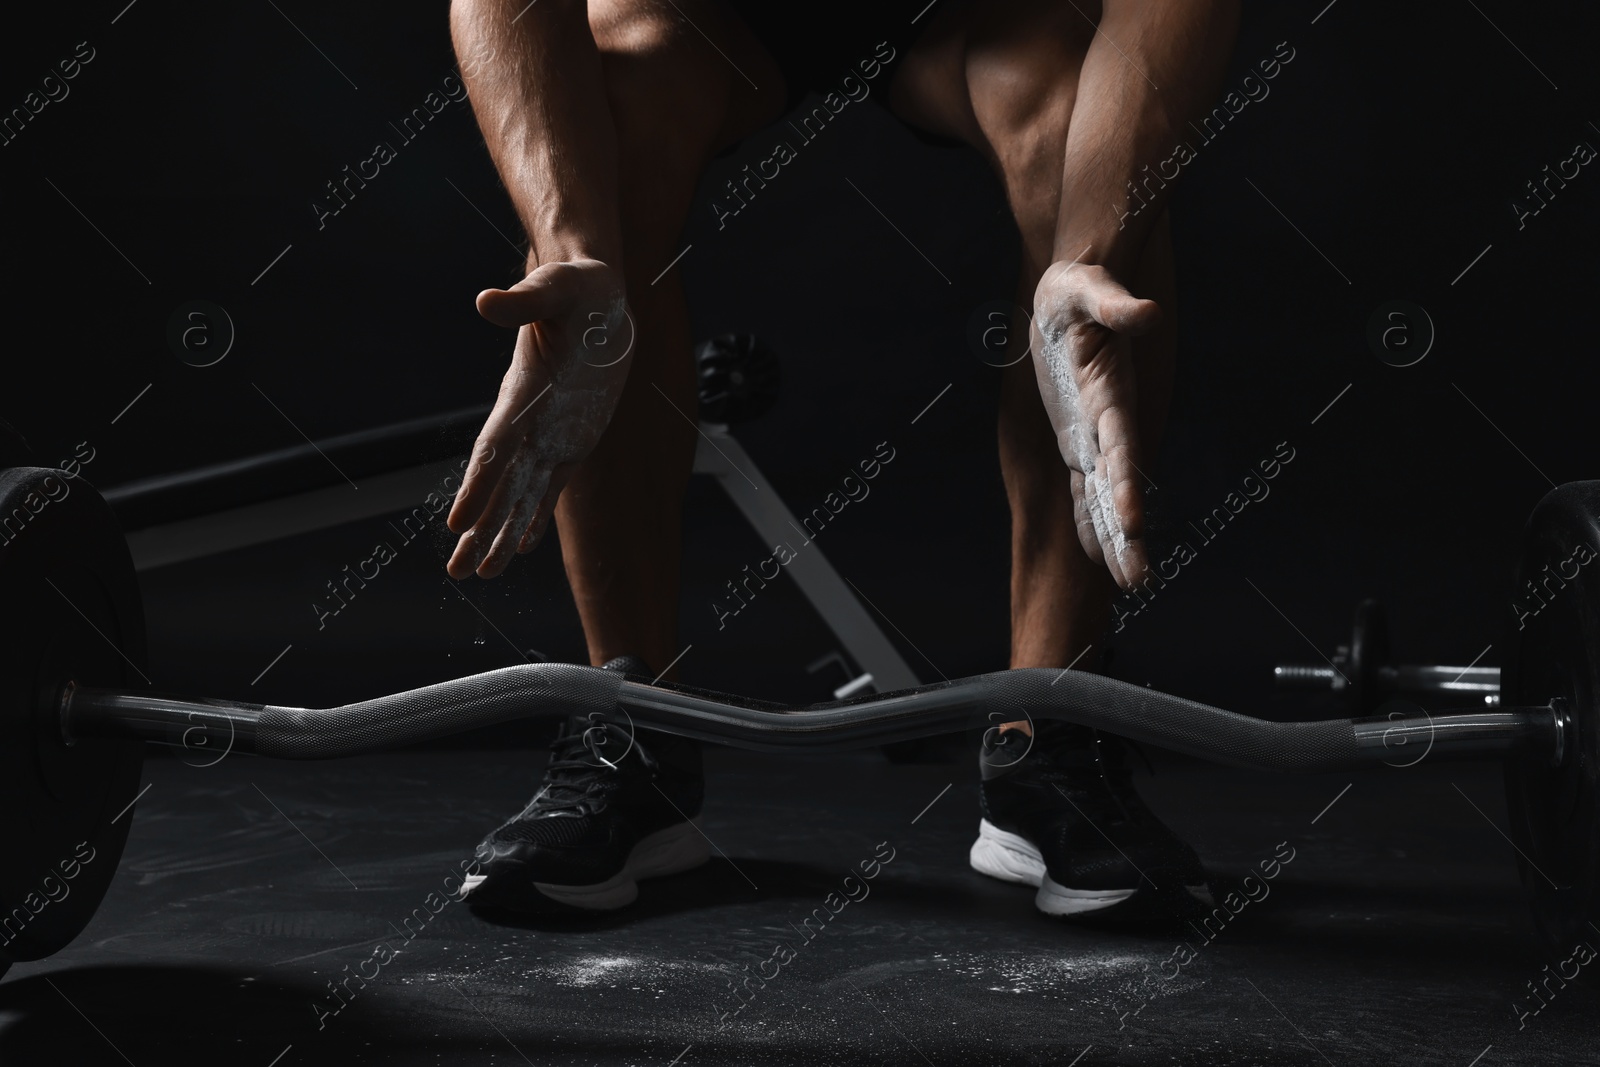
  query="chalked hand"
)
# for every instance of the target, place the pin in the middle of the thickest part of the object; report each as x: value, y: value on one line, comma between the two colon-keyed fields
x: 555, y: 401
x: 1083, y: 325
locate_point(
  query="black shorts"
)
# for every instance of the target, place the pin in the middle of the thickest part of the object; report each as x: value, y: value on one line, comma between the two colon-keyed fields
x: 820, y: 44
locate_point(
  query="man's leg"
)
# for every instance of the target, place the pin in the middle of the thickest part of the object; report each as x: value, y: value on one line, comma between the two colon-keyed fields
x: 676, y: 103
x: 600, y: 120
x: 1005, y: 78
x: 613, y: 808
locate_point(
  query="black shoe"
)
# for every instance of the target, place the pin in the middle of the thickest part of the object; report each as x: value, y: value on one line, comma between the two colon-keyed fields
x: 1061, y: 813
x: 611, y: 809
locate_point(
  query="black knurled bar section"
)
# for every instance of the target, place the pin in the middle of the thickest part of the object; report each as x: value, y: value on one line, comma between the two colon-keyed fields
x: 553, y: 689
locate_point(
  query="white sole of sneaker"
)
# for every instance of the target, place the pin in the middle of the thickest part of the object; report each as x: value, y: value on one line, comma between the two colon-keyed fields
x: 1012, y: 858
x: 1006, y: 856
x: 671, y: 851
x: 1053, y: 899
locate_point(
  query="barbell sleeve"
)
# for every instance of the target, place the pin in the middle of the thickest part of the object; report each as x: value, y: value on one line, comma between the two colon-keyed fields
x: 1404, y: 678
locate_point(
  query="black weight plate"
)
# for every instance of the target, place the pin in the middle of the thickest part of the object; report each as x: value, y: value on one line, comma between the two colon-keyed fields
x: 1555, y: 809
x: 72, y: 610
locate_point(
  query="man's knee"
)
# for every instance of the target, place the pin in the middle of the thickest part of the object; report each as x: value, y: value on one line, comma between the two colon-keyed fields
x: 1021, y: 57
x: 1023, y: 84
x: 666, y: 100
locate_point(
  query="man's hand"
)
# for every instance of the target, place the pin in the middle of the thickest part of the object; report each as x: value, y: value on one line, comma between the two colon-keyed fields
x: 1083, y: 323
x: 555, y: 401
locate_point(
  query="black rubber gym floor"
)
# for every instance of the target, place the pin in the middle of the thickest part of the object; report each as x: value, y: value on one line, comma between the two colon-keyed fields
x: 1395, y: 934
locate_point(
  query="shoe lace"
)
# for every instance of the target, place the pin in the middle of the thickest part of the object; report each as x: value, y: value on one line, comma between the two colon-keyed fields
x: 1095, y: 771
x: 584, y: 768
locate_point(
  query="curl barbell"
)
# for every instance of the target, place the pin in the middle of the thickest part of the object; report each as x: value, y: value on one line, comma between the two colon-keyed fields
x: 74, y: 717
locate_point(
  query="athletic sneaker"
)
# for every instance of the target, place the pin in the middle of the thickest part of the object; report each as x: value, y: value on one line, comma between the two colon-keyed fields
x: 1061, y: 813
x: 611, y: 809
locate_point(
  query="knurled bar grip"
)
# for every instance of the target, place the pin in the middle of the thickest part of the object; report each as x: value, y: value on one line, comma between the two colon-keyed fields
x: 548, y: 689
x: 1186, y: 726
x: 524, y: 691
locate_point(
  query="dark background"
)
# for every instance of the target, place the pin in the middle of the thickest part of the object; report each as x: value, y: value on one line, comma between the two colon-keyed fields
x: 1396, y: 140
